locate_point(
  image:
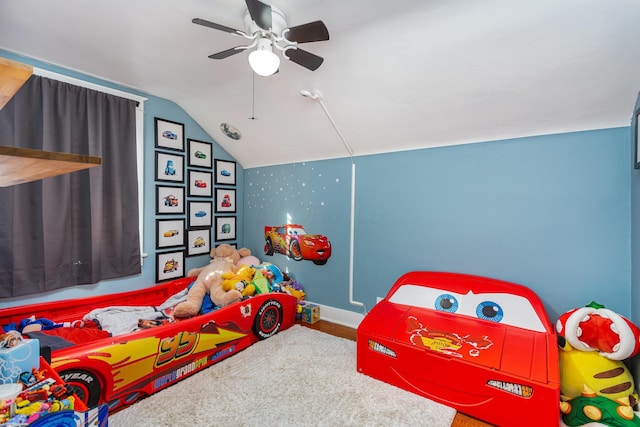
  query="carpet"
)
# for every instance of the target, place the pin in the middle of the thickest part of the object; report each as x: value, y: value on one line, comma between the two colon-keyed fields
x: 297, y: 377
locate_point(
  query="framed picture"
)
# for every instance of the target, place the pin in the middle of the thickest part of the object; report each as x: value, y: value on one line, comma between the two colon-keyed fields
x: 199, y: 183
x: 169, y: 200
x: 169, y: 135
x: 198, y: 241
x: 200, y: 214
x: 169, y: 167
x: 225, y: 200
x: 225, y: 172
x: 636, y: 164
x: 169, y: 265
x: 200, y: 153
x: 169, y: 233
x: 225, y: 228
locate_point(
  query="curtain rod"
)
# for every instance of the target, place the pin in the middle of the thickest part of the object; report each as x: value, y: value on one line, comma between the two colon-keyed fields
x: 83, y: 83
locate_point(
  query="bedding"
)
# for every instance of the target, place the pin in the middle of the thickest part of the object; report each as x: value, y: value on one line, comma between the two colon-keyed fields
x: 68, y: 336
x: 97, y: 324
x: 52, y: 341
x: 111, y: 321
x: 124, y: 319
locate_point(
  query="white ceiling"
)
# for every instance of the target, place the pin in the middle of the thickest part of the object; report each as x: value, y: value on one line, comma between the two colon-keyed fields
x: 397, y: 75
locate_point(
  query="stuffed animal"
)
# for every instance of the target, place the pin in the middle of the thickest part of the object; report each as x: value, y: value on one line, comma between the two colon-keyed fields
x: 240, y: 280
x: 250, y: 260
x: 209, y: 281
x: 260, y: 282
x: 294, y: 288
x: 593, y: 342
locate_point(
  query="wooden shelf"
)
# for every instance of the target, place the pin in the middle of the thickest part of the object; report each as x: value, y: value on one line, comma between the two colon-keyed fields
x: 12, y: 77
x: 20, y: 165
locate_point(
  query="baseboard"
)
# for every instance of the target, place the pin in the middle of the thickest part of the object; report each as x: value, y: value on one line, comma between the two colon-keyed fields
x: 340, y: 316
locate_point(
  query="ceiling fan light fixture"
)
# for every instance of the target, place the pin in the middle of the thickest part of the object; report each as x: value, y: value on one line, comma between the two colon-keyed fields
x: 263, y: 61
x: 266, y: 27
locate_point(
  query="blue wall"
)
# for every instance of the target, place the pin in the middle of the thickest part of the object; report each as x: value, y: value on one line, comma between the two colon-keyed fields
x: 549, y: 212
x: 154, y: 107
x: 315, y: 195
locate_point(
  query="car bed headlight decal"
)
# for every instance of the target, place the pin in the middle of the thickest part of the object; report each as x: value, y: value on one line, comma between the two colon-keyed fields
x: 513, y: 388
x: 379, y: 348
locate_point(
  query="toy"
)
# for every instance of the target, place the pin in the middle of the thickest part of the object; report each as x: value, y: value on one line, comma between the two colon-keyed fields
x: 240, y: 280
x: 250, y: 260
x: 273, y: 275
x: 590, y: 407
x: 260, y: 282
x: 596, y: 328
x: 594, y: 341
x: 292, y: 287
x: 209, y: 281
x: 483, y: 346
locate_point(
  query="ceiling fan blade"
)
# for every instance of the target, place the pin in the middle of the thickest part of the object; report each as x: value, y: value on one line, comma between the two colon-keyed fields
x: 314, y: 31
x: 229, y: 52
x: 260, y: 13
x: 215, y: 26
x: 304, y: 58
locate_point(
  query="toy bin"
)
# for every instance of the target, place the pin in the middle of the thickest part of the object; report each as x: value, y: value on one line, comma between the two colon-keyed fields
x: 310, y: 313
x: 35, y: 403
x: 23, y: 357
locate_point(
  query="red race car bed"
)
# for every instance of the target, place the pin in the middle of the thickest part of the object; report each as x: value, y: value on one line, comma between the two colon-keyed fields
x: 482, y: 346
x: 123, y: 362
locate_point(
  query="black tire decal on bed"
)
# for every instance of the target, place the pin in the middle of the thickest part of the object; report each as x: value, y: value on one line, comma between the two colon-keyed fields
x: 84, y: 384
x: 268, y: 320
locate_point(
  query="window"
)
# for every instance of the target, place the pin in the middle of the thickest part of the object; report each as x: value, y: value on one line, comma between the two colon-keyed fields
x: 71, y: 229
x: 139, y: 131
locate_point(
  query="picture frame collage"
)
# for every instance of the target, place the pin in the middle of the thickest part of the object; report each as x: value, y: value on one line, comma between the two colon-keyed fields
x: 195, y: 199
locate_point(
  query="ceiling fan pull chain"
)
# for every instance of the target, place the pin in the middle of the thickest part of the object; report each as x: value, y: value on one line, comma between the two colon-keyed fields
x: 253, y: 96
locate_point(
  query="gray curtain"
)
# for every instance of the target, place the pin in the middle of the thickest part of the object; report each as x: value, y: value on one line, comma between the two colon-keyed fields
x: 76, y: 228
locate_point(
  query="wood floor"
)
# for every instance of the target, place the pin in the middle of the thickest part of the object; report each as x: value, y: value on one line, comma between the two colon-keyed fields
x: 460, y: 420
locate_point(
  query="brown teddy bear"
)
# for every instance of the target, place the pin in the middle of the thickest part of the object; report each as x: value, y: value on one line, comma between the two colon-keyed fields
x: 209, y: 281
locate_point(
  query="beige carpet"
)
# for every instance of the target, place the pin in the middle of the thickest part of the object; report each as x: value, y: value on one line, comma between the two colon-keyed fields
x: 298, y: 377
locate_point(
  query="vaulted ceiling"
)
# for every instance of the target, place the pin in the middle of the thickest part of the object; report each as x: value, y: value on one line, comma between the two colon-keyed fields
x: 397, y: 75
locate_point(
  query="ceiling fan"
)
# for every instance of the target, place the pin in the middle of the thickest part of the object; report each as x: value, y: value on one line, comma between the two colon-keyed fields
x: 266, y: 27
